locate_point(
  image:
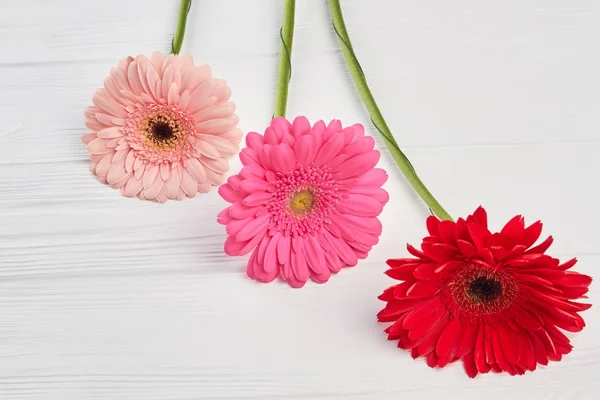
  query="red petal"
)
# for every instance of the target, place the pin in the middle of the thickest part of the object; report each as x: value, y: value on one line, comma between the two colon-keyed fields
x: 567, y: 265
x: 423, y: 289
x: 526, y: 356
x: 467, y: 342
x: 539, y: 351
x: 462, y: 232
x: 469, y: 364
x: 576, y: 279
x: 574, y: 292
x: 432, y: 360
x: 479, y: 351
x: 531, y: 234
x: 388, y: 294
x: 427, y: 272
x: 466, y: 248
x: 400, y: 290
x: 486, y: 255
x: 498, y: 353
x: 449, y: 340
x: 480, y: 216
x: 440, y: 252
x: 447, y: 231
x: 479, y: 235
x: 396, y: 307
x: 549, y: 347
x: 416, y: 253
x: 423, y: 314
x: 542, y: 247
x: 528, y: 320
x: 449, y: 267
x: 514, y: 227
x: 403, y: 272
x: 508, y: 345
x: 399, y: 262
x: 432, y: 223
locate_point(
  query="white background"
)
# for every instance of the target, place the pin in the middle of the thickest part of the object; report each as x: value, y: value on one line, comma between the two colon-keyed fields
x: 101, y: 297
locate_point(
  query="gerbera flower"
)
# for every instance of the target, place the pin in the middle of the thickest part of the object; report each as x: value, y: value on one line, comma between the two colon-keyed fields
x: 162, y: 128
x: 489, y: 299
x: 306, y: 201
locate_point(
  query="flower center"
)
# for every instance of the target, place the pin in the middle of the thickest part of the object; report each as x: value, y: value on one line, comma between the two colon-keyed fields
x: 483, y: 289
x: 160, y: 130
x: 302, y: 202
x: 160, y: 133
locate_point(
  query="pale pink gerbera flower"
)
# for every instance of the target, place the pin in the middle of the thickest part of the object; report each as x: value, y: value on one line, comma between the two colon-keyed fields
x: 306, y: 201
x: 162, y: 128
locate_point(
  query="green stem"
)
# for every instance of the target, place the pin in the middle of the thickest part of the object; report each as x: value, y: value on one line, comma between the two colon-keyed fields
x: 284, y: 70
x: 184, y: 9
x: 367, y: 97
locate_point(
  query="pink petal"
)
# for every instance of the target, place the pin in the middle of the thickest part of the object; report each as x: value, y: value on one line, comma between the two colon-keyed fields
x: 206, y: 149
x: 254, y: 227
x: 301, y: 126
x: 360, y: 205
x: 171, y: 187
x: 314, y: 255
x: 134, y: 79
x: 299, y: 265
x: 305, y: 149
x: 218, y: 165
x: 215, y: 112
x: 281, y: 126
x: 329, y: 149
x: 283, y: 158
x: 342, y: 249
x: 225, y: 147
x: 104, y: 165
x: 129, y: 161
x: 254, y: 140
x: 150, y: 176
x: 200, y: 97
x: 216, y: 126
x: 98, y: 146
x: 108, y: 106
x: 116, y: 173
x: 188, y: 184
x: 284, y: 249
x: 270, y: 263
x: 358, y: 165
x: 165, y: 171
x: 196, y: 169
x: 133, y: 187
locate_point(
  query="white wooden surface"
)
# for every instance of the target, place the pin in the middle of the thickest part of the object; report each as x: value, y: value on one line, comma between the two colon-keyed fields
x: 101, y: 297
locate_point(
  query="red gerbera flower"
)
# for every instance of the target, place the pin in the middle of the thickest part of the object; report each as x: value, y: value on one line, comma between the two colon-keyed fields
x: 489, y: 299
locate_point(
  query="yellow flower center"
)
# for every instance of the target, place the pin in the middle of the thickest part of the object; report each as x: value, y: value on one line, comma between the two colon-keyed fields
x: 302, y: 202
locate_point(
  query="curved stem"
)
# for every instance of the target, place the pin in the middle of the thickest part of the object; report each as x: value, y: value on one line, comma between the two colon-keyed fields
x: 284, y: 70
x: 184, y: 9
x: 367, y: 97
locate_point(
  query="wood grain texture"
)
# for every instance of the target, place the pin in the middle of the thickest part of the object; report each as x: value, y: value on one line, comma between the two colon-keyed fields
x: 102, y: 297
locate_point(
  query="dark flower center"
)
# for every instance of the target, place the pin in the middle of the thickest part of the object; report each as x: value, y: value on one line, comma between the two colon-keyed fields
x: 162, y: 131
x: 481, y: 291
x: 484, y: 289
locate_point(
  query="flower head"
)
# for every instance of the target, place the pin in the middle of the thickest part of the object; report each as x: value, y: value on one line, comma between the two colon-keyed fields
x: 162, y: 128
x: 489, y: 299
x: 306, y: 201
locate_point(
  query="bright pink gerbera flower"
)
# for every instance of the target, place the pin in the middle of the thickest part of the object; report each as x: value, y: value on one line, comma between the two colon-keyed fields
x: 306, y: 201
x: 162, y: 128
x: 489, y: 299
